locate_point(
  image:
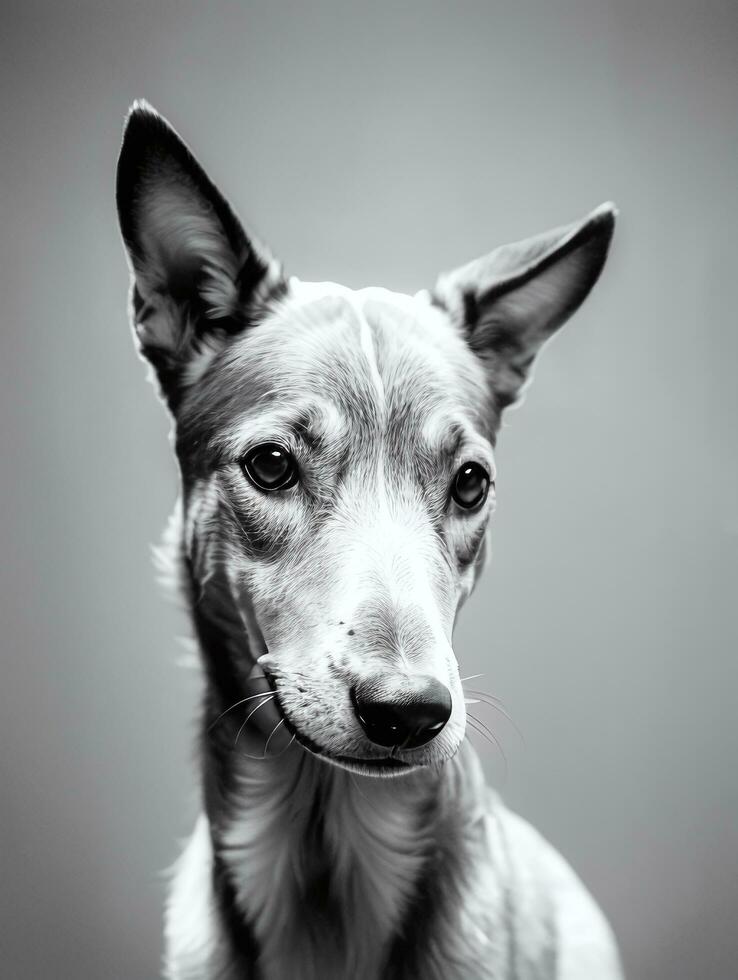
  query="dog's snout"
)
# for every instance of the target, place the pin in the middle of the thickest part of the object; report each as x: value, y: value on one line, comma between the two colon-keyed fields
x: 401, y: 712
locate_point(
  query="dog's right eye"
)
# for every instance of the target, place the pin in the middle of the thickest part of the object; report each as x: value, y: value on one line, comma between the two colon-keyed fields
x: 270, y: 467
x: 470, y: 486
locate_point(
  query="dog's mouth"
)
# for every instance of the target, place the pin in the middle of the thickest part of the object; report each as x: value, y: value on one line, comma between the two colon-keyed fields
x: 383, y: 766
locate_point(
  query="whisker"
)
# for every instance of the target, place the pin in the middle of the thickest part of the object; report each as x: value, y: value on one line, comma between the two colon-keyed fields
x: 274, y: 731
x: 483, y: 730
x: 256, y: 758
x: 492, y: 702
x: 267, y: 697
x: 471, y: 677
x: 242, y: 701
x: 487, y: 730
x: 486, y: 694
x: 477, y: 726
x: 287, y: 746
x: 474, y: 728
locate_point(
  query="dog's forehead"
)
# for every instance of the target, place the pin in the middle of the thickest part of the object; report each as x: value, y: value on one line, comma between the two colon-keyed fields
x: 386, y: 362
x: 368, y: 347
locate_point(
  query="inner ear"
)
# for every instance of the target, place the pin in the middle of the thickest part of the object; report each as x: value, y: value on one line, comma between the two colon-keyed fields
x: 511, y: 301
x: 184, y: 250
x: 197, y: 276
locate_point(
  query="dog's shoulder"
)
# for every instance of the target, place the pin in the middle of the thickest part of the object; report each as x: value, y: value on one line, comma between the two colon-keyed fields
x: 555, y: 926
x: 196, y: 945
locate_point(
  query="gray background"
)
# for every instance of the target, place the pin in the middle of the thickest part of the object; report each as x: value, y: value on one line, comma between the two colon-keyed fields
x: 381, y: 144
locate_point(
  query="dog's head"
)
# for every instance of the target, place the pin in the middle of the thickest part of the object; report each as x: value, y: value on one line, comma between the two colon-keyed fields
x: 336, y: 447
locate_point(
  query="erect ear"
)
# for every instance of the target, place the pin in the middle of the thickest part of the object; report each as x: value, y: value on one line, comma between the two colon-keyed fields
x: 197, y: 277
x: 511, y: 301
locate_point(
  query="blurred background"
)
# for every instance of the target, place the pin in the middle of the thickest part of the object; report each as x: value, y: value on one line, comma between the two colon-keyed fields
x: 381, y: 143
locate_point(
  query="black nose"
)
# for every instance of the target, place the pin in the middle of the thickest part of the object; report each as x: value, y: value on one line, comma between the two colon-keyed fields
x: 404, y: 712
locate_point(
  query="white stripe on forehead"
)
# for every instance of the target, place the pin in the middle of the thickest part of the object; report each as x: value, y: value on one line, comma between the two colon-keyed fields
x: 367, y: 345
x: 310, y: 291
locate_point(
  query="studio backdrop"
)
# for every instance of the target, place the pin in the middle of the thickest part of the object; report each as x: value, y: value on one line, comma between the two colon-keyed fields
x: 381, y: 144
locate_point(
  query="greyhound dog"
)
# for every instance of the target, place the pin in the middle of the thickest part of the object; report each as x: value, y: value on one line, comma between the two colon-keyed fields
x: 336, y: 451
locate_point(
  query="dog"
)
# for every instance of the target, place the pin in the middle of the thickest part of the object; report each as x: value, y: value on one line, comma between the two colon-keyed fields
x: 336, y: 451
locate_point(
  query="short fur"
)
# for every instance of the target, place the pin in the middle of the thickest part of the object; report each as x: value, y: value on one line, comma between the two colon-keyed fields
x: 309, y: 862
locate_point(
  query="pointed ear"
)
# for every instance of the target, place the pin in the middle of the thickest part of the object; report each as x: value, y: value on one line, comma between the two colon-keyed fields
x: 511, y: 301
x: 197, y: 278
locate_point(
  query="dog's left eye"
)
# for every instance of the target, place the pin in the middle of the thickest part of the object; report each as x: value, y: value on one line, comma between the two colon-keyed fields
x: 270, y: 467
x: 470, y: 486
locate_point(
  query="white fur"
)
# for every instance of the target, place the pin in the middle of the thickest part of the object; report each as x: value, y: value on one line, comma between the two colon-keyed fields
x: 367, y: 346
x: 195, y: 946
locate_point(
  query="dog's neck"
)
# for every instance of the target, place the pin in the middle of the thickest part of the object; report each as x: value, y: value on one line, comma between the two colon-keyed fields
x: 333, y: 862
x: 322, y: 870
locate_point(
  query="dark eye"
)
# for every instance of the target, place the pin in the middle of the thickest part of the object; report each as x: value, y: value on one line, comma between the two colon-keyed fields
x: 470, y: 486
x: 270, y: 467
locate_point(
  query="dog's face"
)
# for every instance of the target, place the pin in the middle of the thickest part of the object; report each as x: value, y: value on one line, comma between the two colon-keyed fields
x: 336, y: 448
x: 344, y: 448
